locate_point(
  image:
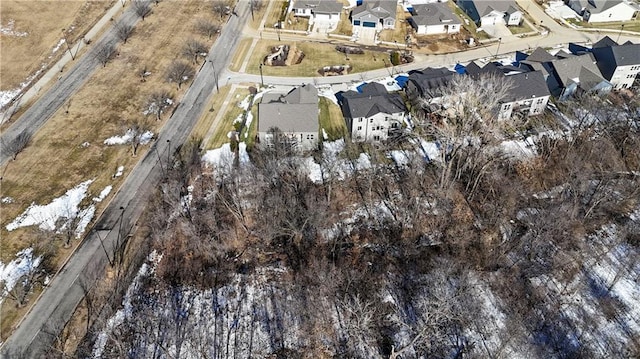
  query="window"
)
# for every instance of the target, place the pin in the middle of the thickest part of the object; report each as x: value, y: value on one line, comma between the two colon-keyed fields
x: 356, y: 22
x: 540, y: 101
x: 359, y: 128
x: 359, y: 120
x: 376, y: 138
x: 394, y: 125
x: 310, y: 137
x: 370, y: 120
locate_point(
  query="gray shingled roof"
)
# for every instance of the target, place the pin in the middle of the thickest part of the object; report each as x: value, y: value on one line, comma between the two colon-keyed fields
x: 319, y: 6
x: 288, y: 117
x: 540, y: 55
x: 527, y: 85
x: 598, y: 6
x: 355, y: 104
x: 433, y: 14
x: 431, y: 79
x: 485, y: 7
x: 297, y: 111
x: 604, y: 42
x: 379, y: 8
x: 627, y: 54
x: 570, y: 69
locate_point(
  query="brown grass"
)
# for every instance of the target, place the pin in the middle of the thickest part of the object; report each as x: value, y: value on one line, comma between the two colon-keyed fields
x: 274, y: 15
x: 344, y: 26
x: 401, y: 29
x: 207, y: 118
x: 43, y: 21
x: 317, y: 55
x: 226, y: 124
x: 105, y: 106
x: 331, y: 120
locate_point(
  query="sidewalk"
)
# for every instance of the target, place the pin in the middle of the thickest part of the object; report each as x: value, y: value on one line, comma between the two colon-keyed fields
x: 56, y: 69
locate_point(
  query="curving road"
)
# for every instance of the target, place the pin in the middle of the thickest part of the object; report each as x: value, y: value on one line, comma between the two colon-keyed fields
x: 57, y: 303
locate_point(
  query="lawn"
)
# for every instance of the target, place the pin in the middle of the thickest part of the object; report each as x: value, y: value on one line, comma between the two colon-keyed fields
x: 628, y: 25
x: 521, y: 29
x: 252, y: 131
x: 296, y: 23
x: 401, y: 29
x: 344, y: 26
x: 207, y: 118
x: 34, y: 31
x: 239, y: 55
x: 467, y: 23
x: 317, y: 55
x: 226, y: 125
x: 331, y: 120
x: 274, y: 15
x: 69, y: 148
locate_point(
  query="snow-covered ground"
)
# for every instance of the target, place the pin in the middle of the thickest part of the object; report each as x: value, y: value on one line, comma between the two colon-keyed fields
x: 11, y: 272
x: 129, y: 135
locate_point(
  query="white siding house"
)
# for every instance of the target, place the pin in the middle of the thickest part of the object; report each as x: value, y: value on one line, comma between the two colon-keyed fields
x: 605, y: 10
x: 434, y: 18
x: 492, y: 12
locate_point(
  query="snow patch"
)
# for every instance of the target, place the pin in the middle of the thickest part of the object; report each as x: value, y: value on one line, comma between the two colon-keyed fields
x: 47, y: 216
x: 6, y: 200
x: 11, y: 272
x: 9, y: 29
x: 105, y: 192
x: 119, y: 171
x: 144, y: 138
x: 57, y: 47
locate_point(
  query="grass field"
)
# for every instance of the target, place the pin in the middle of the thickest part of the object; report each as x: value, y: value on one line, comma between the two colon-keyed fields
x: 69, y: 149
x: 207, y: 118
x: 628, y: 25
x: 317, y: 55
x: 331, y: 120
x: 274, y: 15
x: 296, y: 23
x: 226, y: 124
x: 35, y: 29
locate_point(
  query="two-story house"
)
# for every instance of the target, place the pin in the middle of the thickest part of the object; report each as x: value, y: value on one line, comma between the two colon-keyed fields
x: 290, y: 119
x: 620, y: 64
x: 378, y: 14
x: 434, y: 18
x: 373, y: 114
x: 492, y: 12
x: 318, y: 10
x: 605, y: 10
x: 528, y: 96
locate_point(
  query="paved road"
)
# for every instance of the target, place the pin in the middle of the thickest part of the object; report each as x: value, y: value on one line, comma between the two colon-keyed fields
x: 59, y: 300
x: 38, y: 114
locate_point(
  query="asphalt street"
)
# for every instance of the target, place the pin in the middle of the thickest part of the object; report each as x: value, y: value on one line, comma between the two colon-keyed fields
x: 57, y: 303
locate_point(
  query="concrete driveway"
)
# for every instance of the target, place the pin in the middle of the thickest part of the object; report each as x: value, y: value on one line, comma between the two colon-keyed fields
x: 497, y: 30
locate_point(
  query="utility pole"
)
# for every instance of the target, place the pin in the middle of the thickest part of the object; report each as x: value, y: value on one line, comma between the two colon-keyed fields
x: 261, y: 78
x: 620, y: 33
x: 66, y: 41
x: 498, y: 49
x: 215, y: 75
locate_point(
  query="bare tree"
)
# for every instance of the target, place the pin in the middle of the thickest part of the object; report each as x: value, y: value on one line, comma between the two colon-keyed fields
x: 207, y: 27
x: 158, y: 102
x: 193, y: 49
x: 141, y: 7
x: 221, y: 7
x: 105, y: 53
x: 18, y: 144
x: 179, y: 72
x: 139, y: 130
x: 123, y: 30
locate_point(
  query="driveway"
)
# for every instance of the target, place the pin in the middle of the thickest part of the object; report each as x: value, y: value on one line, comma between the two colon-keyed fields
x: 497, y: 30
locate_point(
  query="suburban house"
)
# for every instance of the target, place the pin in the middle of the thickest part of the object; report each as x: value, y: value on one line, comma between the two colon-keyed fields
x: 567, y: 74
x: 434, y: 18
x: 528, y: 94
x: 373, y: 114
x: 379, y: 14
x: 427, y: 84
x: 492, y: 12
x: 605, y: 10
x: 290, y: 119
x: 318, y: 10
x: 620, y: 64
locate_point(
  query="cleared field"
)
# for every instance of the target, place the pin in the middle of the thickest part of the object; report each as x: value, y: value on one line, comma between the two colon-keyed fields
x: 317, y: 55
x: 331, y: 120
x: 32, y: 34
x: 70, y: 148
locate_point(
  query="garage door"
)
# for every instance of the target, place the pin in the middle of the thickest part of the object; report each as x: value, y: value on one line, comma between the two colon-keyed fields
x: 368, y: 24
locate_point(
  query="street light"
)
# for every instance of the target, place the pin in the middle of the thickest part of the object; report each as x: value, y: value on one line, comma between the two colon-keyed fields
x: 215, y: 75
x: 261, y: 78
x: 168, y: 153
x: 620, y: 33
x: 498, y: 49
